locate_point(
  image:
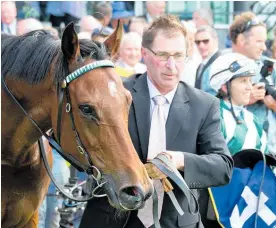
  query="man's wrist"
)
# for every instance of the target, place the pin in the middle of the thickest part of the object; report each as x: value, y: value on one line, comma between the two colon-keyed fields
x: 177, y: 159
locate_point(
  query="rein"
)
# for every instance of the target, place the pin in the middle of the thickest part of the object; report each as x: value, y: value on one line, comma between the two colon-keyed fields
x: 56, y: 144
x: 165, y: 166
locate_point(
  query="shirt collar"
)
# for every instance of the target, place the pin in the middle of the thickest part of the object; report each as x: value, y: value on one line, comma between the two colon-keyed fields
x: 237, y: 108
x: 153, y: 91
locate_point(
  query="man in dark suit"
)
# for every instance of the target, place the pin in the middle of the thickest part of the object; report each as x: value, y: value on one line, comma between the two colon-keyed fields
x: 206, y: 39
x: 193, y: 137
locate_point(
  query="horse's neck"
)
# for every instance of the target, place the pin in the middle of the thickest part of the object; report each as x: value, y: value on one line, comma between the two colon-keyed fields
x: 19, y: 135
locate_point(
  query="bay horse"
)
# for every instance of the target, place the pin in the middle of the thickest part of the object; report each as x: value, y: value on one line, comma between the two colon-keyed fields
x: 34, y: 68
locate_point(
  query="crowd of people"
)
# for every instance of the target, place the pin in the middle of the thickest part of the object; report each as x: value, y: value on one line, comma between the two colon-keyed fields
x: 216, y: 102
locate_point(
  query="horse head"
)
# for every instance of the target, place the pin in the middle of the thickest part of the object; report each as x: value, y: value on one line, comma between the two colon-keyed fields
x: 94, y: 127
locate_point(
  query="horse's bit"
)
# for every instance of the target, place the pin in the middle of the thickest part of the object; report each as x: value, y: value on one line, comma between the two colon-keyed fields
x: 56, y: 144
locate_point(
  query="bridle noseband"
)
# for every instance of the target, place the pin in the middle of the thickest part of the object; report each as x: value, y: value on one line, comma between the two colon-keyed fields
x: 55, y: 143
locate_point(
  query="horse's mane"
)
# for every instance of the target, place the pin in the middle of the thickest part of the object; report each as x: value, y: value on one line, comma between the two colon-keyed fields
x: 29, y: 57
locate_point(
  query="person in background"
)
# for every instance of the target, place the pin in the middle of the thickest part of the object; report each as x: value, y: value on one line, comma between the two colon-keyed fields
x: 203, y: 17
x: 102, y: 11
x: 49, y: 217
x: 89, y: 23
x: 271, y: 132
x: 273, y: 48
x: 65, y: 12
x: 206, y: 39
x: 138, y: 24
x: 154, y: 9
x: 248, y: 34
x: 193, y: 56
x: 189, y: 128
x: 8, y: 17
x: 28, y: 25
x: 231, y: 79
x: 119, y: 11
x: 130, y: 56
x: 101, y: 34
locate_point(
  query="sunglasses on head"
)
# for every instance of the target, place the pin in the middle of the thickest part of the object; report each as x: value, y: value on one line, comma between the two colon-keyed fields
x: 206, y: 41
x: 253, y: 22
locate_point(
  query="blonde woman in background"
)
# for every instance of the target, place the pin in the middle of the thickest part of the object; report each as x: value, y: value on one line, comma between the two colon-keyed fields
x: 130, y: 56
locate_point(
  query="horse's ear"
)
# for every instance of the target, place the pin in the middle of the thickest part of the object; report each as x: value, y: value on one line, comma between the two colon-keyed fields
x: 113, y: 42
x: 69, y: 43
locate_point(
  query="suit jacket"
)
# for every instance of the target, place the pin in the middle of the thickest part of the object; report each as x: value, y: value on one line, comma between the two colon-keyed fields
x: 193, y: 127
x: 200, y: 72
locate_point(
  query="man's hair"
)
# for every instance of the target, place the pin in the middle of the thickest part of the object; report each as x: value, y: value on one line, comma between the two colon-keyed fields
x: 239, y: 25
x: 102, y: 9
x: 209, y: 29
x: 131, y: 36
x: 206, y: 14
x: 168, y: 24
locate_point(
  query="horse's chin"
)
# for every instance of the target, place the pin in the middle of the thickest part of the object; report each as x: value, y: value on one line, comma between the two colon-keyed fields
x: 112, y: 196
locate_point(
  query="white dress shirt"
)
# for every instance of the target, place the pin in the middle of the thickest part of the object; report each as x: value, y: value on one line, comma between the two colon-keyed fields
x: 177, y: 158
x: 154, y: 92
x: 10, y: 28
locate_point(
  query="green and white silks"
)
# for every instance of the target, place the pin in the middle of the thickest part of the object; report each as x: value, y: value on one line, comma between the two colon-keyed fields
x: 247, y: 135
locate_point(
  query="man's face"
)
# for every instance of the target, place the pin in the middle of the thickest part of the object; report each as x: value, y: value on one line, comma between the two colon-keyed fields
x: 254, y: 42
x: 156, y: 9
x: 240, y: 90
x: 130, y: 52
x: 165, y: 74
x: 8, y: 12
x: 206, y: 44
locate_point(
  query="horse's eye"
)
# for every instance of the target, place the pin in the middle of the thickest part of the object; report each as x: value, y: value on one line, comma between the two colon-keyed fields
x: 88, y: 111
x: 85, y: 109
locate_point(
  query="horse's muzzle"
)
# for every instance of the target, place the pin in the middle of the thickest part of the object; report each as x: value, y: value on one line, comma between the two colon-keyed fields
x: 132, y: 198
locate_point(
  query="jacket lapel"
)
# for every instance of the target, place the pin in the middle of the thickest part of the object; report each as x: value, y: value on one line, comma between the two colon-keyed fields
x: 141, y: 102
x: 178, y: 110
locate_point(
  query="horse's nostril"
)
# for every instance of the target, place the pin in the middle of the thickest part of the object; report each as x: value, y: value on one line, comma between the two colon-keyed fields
x: 130, y: 191
x: 131, y: 197
x: 133, y: 192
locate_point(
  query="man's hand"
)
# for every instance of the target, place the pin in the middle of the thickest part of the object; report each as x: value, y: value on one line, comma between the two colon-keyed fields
x: 177, y: 159
x: 270, y: 103
x: 155, y: 173
x: 257, y: 93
